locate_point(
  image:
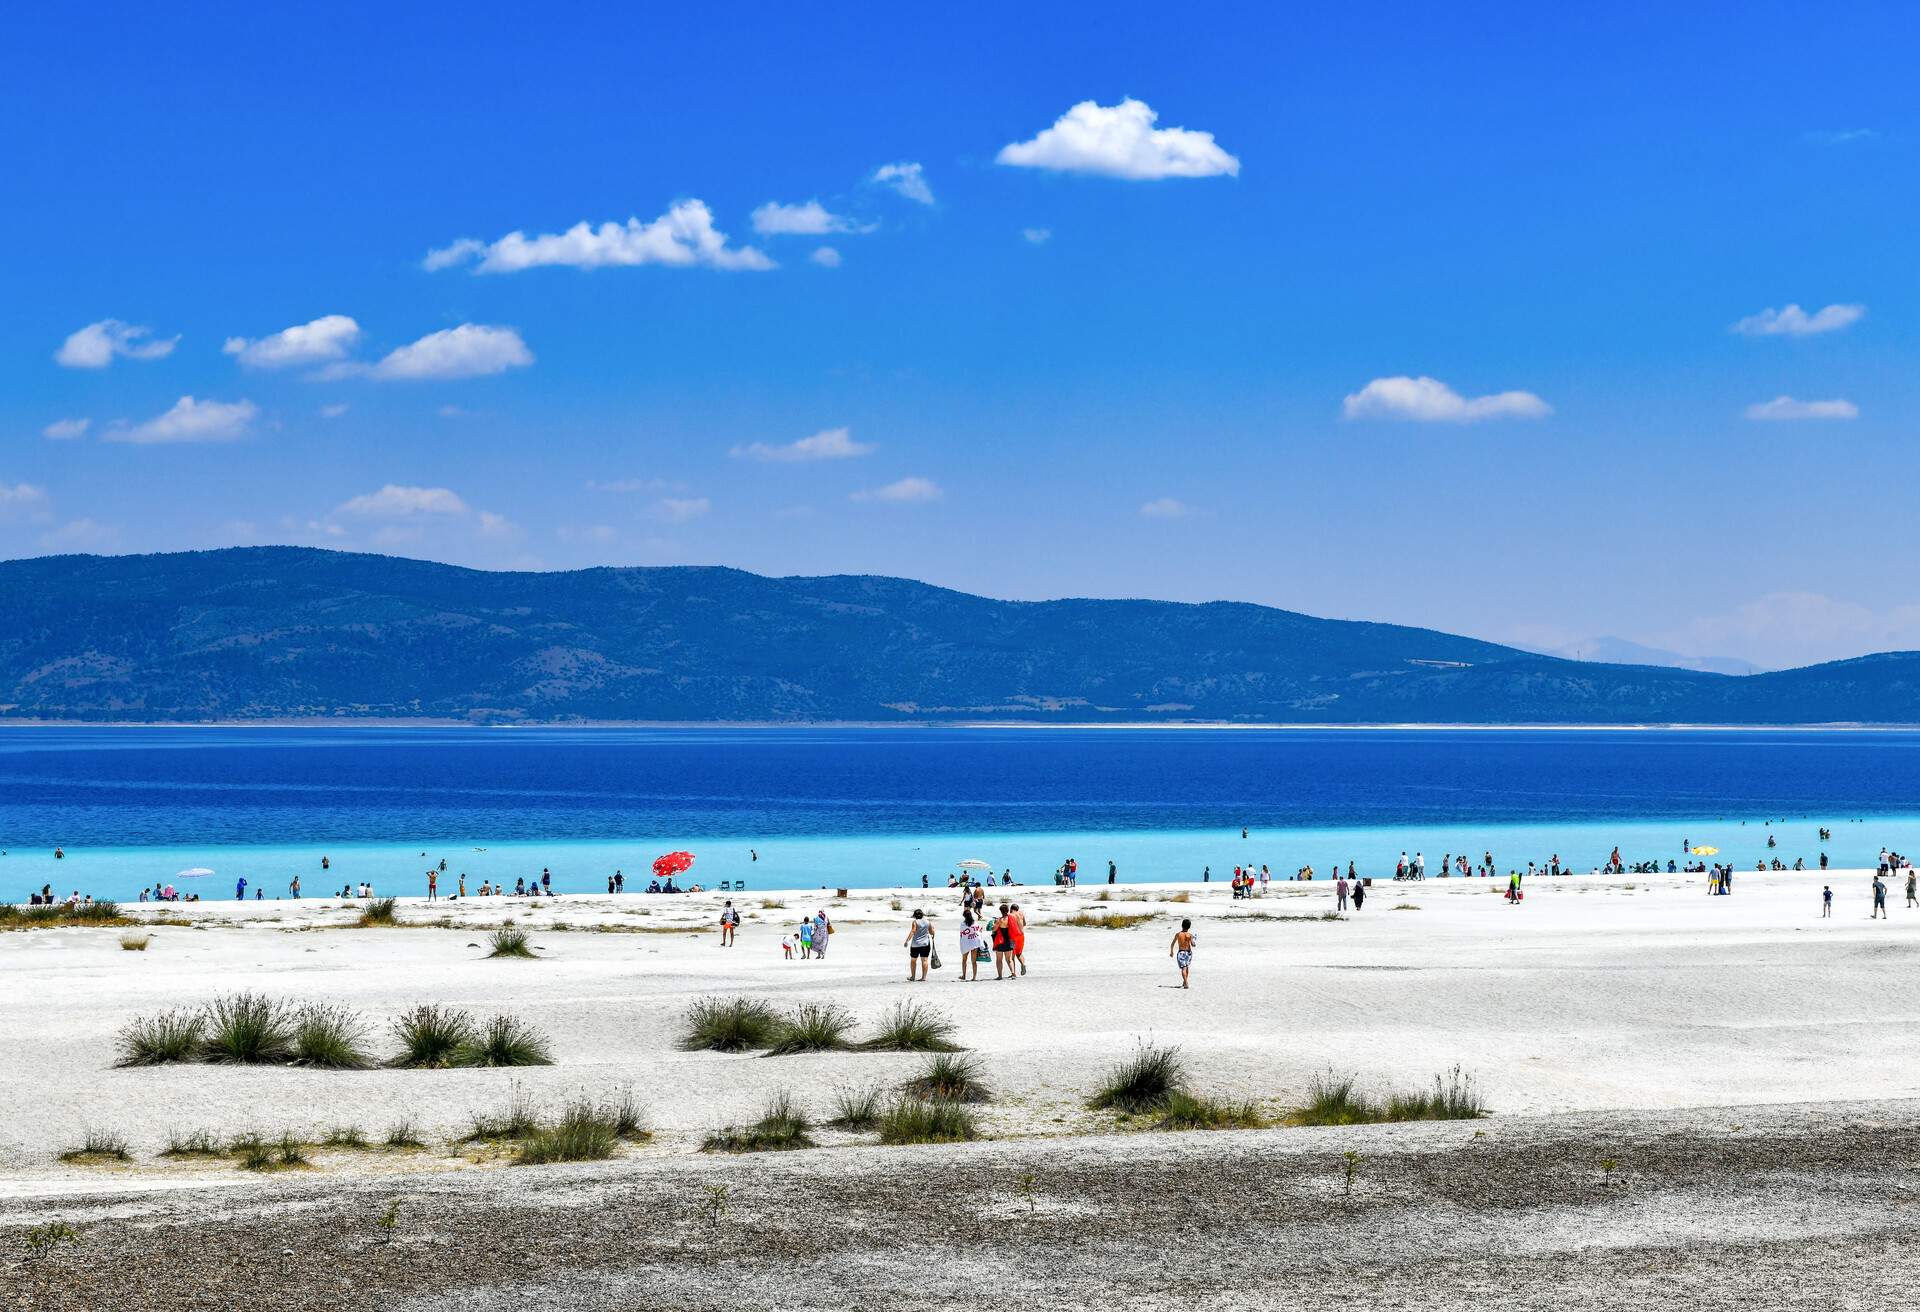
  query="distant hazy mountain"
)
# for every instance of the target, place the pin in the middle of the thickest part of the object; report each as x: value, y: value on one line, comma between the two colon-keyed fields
x: 1620, y: 651
x: 288, y: 632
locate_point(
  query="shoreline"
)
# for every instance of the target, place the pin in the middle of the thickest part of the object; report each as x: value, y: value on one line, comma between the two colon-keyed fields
x: 1205, y: 726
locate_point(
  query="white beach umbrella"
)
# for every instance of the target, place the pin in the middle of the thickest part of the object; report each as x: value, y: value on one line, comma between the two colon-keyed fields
x: 975, y: 865
x: 198, y: 872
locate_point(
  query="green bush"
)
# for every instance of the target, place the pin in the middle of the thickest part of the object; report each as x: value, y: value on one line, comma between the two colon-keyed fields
x: 330, y: 1037
x: 781, y: 1128
x: 948, y: 1077
x: 916, y: 1120
x: 432, y: 1036
x: 811, y: 1027
x: 912, y: 1027
x: 730, y: 1025
x: 248, y: 1028
x: 1143, y: 1082
x: 504, y: 1041
x: 155, y: 1040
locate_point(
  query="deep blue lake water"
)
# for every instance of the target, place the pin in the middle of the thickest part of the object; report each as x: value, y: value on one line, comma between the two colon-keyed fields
x: 884, y: 806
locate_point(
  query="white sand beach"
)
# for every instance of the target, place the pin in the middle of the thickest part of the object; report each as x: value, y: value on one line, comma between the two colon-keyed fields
x: 1628, y: 1008
x: 1629, y: 992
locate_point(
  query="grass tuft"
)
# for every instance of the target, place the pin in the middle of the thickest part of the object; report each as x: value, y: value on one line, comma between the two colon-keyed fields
x: 98, y: 1147
x: 1106, y: 919
x: 915, y: 1120
x: 504, y: 1041
x: 135, y: 942
x: 192, y: 1143
x: 404, y: 1134
x: 812, y: 1027
x: 584, y: 1133
x: 517, y: 1120
x: 1334, y: 1100
x: 345, y: 1136
x: 913, y: 1027
x: 432, y: 1036
x: 330, y: 1037
x: 248, y: 1028
x: 1144, y: 1082
x: 781, y: 1128
x: 950, y: 1078
x: 1189, y: 1111
x: 730, y: 1025
x: 1454, y: 1096
x: 857, y: 1109
x: 383, y: 912
x: 509, y: 941
x: 155, y: 1040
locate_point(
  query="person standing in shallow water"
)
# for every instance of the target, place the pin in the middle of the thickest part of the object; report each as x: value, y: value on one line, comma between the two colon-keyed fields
x: 1181, y: 950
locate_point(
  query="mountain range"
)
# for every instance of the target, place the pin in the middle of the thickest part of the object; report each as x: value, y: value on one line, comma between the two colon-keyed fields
x: 270, y: 633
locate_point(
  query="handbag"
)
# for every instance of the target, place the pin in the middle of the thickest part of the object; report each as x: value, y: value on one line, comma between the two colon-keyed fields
x: 933, y: 956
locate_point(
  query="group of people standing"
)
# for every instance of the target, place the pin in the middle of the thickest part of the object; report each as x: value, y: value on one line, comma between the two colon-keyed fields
x: 996, y: 936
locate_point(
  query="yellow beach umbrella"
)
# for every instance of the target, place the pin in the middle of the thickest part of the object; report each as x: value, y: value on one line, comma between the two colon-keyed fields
x: 1706, y: 851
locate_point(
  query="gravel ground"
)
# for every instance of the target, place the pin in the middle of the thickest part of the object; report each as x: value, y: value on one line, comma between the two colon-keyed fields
x: 1756, y: 1207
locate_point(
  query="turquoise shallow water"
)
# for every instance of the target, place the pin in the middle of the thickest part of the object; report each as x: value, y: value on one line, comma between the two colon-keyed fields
x: 871, y: 808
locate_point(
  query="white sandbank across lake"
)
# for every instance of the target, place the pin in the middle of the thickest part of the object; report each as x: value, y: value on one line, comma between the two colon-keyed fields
x: 1632, y: 992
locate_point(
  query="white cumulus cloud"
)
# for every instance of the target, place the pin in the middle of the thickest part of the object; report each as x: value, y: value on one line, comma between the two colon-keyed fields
x: 1785, y: 407
x: 1166, y: 508
x: 1429, y: 400
x: 473, y: 350
x: 827, y: 444
x: 94, y: 346
x: 1120, y: 141
x: 1792, y: 321
x: 684, y: 235
x: 191, y: 420
x: 826, y: 257
x: 807, y: 219
x: 906, y: 179
x: 329, y: 337
x: 398, y: 501
x: 66, y: 430
x: 901, y: 490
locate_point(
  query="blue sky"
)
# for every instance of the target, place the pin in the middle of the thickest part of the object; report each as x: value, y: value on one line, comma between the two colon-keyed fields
x: 1110, y: 355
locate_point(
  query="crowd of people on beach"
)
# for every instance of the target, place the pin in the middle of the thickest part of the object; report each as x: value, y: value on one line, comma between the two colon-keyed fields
x: 995, y: 936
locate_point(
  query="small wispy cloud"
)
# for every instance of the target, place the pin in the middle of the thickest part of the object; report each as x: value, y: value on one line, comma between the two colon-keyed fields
x: 1785, y: 407
x: 906, y: 179
x: 685, y: 235
x: 827, y: 444
x: 680, y: 510
x: 628, y: 485
x: 399, y: 500
x: 826, y: 257
x: 806, y: 219
x: 1428, y: 400
x: 901, y: 491
x: 1792, y: 321
x: 1838, y: 136
x: 333, y: 411
x: 67, y: 430
x: 473, y: 350
x: 1037, y: 236
x: 191, y: 420
x: 1120, y: 141
x: 1166, y: 508
x: 327, y: 338
x: 96, y: 345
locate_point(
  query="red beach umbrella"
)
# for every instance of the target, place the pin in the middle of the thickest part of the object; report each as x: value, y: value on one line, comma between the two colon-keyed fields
x: 673, y: 863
